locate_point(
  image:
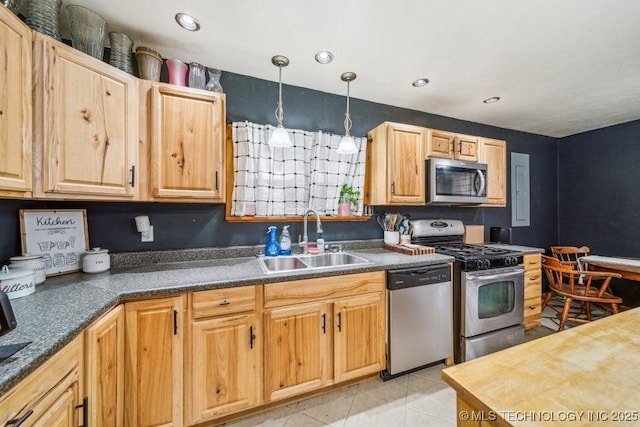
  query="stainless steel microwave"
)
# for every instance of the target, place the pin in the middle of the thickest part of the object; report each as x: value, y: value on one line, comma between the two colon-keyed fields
x: 455, y: 182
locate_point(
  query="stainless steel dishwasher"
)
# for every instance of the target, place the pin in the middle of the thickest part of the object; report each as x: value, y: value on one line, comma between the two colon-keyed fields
x: 419, y: 318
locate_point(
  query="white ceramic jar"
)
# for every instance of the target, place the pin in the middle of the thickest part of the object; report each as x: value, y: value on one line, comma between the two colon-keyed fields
x: 17, y: 283
x: 96, y: 260
x: 30, y: 262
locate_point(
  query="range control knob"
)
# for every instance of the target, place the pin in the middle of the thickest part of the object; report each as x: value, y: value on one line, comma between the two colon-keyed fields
x: 514, y: 260
x: 479, y: 264
x: 508, y: 260
x: 486, y: 264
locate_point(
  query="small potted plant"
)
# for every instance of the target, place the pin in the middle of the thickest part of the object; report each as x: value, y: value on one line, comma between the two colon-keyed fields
x: 348, y: 200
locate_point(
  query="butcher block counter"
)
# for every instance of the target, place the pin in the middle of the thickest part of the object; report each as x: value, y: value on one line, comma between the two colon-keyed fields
x: 585, y: 376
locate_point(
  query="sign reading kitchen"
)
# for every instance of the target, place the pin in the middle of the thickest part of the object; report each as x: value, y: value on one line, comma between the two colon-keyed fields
x: 60, y: 236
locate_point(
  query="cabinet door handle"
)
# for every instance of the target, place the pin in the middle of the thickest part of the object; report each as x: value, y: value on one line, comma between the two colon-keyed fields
x: 216, y: 180
x: 252, y: 337
x: 133, y: 176
x: 18, y: 421
x: 225, y: 302
x: 393, y: 188
x: 175, y: 322
x: 85, y: 411
x: 339, y: 322
x: 324, y: 323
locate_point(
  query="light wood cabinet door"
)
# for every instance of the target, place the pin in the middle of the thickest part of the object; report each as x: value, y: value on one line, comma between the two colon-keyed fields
x: 86, y: 125
x: 359, y: 336
x: 440, y: 144
x: 532, y: 291
x: 406, y: 168
x: 104, y: 369
x: 153, y: 362
x: 466, y: 148
x: 50, y: 396
x: 62, y: 411
x: 15, y: 106
x: 493, y: 152
x: 222, y: 367
x: 297, y: 350
x: 187, y: 144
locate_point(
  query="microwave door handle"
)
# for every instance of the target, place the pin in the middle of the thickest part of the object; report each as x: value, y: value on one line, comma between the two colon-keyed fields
x: 482, y: 182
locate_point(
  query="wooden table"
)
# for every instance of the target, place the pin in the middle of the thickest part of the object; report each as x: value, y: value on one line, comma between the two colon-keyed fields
x: 585, y: 376
x: 629, y: 268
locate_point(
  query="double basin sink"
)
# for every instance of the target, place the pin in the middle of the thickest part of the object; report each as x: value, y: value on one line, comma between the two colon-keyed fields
x: 309, y: 262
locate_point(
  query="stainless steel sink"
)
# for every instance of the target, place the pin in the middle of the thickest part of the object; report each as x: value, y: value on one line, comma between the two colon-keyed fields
x: 309, y: 262
x: 332, y: 260
x: 282, y: 264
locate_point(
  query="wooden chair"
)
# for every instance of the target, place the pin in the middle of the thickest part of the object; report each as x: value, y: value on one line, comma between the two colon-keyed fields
x: 563, y: 281
x: 567, y: 255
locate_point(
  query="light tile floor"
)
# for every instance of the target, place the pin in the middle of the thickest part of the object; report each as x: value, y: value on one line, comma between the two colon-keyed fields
x: 420, y: 399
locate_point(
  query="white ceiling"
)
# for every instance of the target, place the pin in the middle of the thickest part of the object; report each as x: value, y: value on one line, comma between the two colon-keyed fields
x: 561, y: 67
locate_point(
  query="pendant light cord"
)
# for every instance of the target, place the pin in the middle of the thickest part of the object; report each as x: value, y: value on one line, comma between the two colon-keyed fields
x: 347, y: 117
x: 279, y: 110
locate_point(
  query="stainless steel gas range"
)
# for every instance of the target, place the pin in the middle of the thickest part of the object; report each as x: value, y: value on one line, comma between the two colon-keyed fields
x: 488, y: 290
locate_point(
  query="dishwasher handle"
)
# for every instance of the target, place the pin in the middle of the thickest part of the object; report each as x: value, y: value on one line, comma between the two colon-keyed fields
x: 418, y: 276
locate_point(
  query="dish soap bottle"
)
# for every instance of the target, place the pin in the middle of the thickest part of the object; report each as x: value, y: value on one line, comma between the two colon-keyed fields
x: 272, y: 248
x: 285, y: 241
x: 320, y: 243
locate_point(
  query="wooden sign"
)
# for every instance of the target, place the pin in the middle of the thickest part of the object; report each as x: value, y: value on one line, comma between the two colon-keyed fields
x: 60, y: 236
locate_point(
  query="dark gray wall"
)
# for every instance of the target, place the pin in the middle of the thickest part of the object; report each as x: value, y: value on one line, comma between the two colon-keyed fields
x: 178, y: 226
x: 599, y: 195
x: 599, y: 192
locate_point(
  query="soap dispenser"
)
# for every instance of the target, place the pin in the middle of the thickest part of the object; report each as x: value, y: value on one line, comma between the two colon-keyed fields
x: 285, y: 241
x: 272, y: 248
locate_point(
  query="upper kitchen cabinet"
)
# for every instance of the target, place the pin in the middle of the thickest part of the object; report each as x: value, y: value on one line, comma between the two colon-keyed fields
x: 447, y: 145
x: 186, y: 149
x: 493, y: 152
x: 395, y: 165
x: 85, y: 126
x: 15, y: 106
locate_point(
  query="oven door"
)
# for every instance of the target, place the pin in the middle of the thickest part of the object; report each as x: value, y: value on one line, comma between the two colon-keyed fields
x: 491, y: 300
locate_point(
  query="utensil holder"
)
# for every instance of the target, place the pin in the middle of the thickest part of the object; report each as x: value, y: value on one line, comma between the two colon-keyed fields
x: 392, y: 237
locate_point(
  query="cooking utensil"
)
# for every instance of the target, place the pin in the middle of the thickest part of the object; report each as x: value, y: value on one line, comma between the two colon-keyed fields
x: 380, y: 221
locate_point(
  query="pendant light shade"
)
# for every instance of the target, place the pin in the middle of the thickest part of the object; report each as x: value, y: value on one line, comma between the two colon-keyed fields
x: 279, y: 137
x: 347, y: 144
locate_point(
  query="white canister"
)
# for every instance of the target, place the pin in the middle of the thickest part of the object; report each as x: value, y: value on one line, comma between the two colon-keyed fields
x: 96, y: 260
x: 17, y: 283
x: 30, y: 262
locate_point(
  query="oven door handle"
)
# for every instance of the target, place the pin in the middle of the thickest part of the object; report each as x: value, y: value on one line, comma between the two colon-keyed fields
x: 503, y: 274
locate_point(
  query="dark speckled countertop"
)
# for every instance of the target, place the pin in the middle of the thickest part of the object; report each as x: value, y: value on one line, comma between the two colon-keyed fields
x: 64, y: 306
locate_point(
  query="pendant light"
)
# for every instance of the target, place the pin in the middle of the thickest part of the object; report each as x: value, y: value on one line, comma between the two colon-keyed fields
x: 279, y: 137
x: 347, y: 144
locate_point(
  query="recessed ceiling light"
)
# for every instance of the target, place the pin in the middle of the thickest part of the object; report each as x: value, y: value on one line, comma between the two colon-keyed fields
x: 491, y: 100
x: 187, y: 22
x: 420, y: 82
x: 324, y: 57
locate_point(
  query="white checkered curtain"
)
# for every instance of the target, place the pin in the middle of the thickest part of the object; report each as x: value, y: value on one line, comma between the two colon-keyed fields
x: 285, y: 181
x: 330, y: 170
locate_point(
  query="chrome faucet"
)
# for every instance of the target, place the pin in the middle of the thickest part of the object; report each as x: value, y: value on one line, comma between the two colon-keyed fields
x: 305, y: 236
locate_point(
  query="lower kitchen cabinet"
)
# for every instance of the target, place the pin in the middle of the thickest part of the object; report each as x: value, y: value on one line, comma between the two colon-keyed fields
x: 322, y: 331
x: 153, y: 362
x: 359, y: 337
x: 104, y: 368
x: 222, y: 374
x: 297, y: 349
x: 532, y: 291
x: 51, y: 396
